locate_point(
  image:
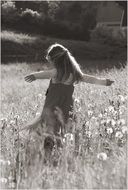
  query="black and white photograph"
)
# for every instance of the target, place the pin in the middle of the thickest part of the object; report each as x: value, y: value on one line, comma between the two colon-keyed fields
x: 64, y: 95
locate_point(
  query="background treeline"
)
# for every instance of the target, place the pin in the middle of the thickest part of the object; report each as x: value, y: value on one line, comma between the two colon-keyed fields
x: 29, y: 27
x: 62, y: 19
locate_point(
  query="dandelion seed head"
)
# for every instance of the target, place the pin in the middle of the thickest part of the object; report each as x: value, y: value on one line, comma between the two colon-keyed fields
x: 109, y: 130
x: 69, y: 137
x: 88, y: 133
x: 111, y: 109
x: 40, y: 95
x: 3, y: 180
x: 90, y: 113
x: 37, y: 113
x: 119, y: 134
x: 121, y: 122
x: 121, y: 98
x: 100, y: 115
x: 3, y: 119
x: 77, y: 101
x: 12, y: 122
x: 102, y: 156
x: 16, y: 117
x: 124, y: 129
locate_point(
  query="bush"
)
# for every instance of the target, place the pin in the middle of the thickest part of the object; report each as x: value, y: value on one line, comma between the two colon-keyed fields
x: 9, y: 13
x: 111, y: 36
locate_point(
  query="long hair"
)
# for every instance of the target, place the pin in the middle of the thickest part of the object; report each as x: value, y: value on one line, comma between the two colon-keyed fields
x: 64, y: 63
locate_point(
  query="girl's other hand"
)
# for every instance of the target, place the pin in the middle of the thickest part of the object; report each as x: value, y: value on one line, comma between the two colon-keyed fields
x: 109, y: 82
x: 30, y: 78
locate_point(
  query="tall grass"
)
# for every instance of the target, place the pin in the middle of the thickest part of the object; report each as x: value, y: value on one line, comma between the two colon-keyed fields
x: 94, y: 150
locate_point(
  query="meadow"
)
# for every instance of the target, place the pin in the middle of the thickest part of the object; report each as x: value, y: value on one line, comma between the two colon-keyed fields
x: 100, y: 161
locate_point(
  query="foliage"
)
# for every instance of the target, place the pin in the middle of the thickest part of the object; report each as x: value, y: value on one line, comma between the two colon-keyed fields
x: 111, y: 36
x: 98, y: 158
x: 72, y: 20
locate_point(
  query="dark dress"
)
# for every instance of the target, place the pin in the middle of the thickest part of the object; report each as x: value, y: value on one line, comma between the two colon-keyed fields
x: 58, y: 106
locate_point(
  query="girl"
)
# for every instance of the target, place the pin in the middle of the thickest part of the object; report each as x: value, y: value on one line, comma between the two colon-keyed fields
x: 59, y: 102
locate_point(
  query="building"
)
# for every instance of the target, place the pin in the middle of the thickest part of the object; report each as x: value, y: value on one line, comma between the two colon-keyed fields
x: 111, y: 14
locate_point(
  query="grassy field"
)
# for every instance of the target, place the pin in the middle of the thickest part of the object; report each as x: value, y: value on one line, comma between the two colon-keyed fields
x: 101, y: 126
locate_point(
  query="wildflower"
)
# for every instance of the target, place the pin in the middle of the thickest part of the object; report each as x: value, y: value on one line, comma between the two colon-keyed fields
x: 119, y: 134
x: 16, y: 117
x: 121, y: 98
x: 122, y: 109
x: 100, y: 115
x: 3, y: 180
x: 87, y: 123
x: 90, y: 113
x: 111, y: 109
x: 102, y: 156
x: 3, y: 119
x: 8, y: 162
x: 36, y: 106
x: 121, y: 122
x: 109, y: 130
x: 2, y: 162
x: 38, y: 113
x: 77, y: 101
x: 103, y: 121
x: 108, y: 121
x: 40, y: 95
x: 69, y: 137
x: 124, y: 129
x: 12, y: 122
x: 113, y: 122
x: 88, y: 133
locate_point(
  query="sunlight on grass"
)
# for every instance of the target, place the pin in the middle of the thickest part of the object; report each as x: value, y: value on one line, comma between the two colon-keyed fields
x: 94, y: 152
x: 17, y: 37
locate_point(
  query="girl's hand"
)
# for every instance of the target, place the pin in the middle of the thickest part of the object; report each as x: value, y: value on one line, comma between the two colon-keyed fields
x: 30, y: 78
x: 109, y: 82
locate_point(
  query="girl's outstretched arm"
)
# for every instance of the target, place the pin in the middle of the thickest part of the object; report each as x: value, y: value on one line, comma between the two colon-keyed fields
x: 40, y: 75
x: 95, y: 80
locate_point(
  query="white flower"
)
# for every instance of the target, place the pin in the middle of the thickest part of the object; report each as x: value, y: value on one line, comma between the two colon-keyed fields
x: 87, y: 123
x: 124, y: 129
x: 90, y: 113
x: 2, y: 162
x: 3, y: 119
x: 103, y: 121
x: 102, y: 156
x: 119, y: 134
x: 121, y: 98
x: 16, y: 117
x: 122, y: 109
x: 109, y: 130
x: 77, y: 101
x: 3, y: 180
x: 108, y: 121
x: 111, y: 109
x: 121, y: 122
x: 8, y: 162
x: 100, y: 115
x: 113, y: 122
x: 88, y: 133
x: 40, y: 95
x: 12, y: 122
x: 37, y: 113
x: 69, y: 137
